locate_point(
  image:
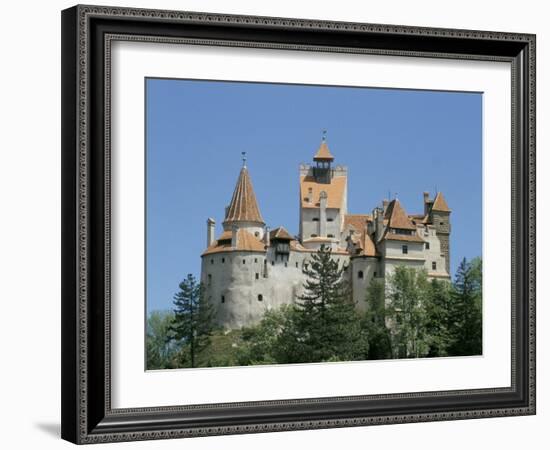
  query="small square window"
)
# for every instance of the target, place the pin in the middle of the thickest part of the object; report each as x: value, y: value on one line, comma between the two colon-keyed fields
x: 405, y: 249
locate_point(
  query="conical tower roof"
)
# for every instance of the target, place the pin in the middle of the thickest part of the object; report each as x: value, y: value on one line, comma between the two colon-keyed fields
x: 323, y: 153
x: 243, y: 206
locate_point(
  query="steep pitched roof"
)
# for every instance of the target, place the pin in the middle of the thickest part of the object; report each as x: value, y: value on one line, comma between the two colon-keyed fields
x: 335, y: 191
x: 243, y: 206
x: 280, y: 233
x: 440, y: 204
x: 397, y: 217
x: 357, y: 221
x: 246, y: 242
x: 323, y: 153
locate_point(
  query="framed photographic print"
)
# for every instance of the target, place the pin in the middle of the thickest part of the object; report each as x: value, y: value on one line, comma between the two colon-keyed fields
x: 282, y: 224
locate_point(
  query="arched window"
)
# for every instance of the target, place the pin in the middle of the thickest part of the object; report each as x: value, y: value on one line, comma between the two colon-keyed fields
x: 360, y: 274
x: 260, y: 297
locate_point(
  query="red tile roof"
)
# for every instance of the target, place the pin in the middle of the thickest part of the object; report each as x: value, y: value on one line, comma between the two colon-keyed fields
x: 243, y: 206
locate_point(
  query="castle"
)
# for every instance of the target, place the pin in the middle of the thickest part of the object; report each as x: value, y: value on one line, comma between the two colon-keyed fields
x: 250, y: 269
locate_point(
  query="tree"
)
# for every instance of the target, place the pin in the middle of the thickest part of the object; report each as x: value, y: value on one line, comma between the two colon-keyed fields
x: 406, y: 314
x: 261, y: 344
x: 325, y: 325
x: 466, y: 310
x: 374, y: 322
x: 193, y: 319
x: 160, y: 349
x: 438, y: 318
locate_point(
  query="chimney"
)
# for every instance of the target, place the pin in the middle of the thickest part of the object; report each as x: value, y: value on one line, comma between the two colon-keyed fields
x: 234, y: 231
x: 210, y: 231
x: 378, y: 223
x: 266, y: 238
x: 323, y: 214
x: 427, y: 202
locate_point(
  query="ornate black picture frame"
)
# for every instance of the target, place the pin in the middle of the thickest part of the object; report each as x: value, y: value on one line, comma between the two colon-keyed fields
x: 87, y: 33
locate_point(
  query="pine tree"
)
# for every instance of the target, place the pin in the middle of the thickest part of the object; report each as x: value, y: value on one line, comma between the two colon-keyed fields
x: 326, y: 326
x: 193, y: 318
x: 466, y: 329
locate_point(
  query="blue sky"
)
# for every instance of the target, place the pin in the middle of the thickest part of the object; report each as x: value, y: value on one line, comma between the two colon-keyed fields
x: 398, y: 141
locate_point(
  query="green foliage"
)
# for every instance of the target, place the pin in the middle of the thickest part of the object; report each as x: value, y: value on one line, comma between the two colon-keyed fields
x: 325, y: 324
x: 193, y: 321
x: 466, y: 310
x: 408, y: 317
x: 265, y: 343
x: 374, y: 322
x: 406, y: 313
x: 438, y: 318
x: 159, y: 349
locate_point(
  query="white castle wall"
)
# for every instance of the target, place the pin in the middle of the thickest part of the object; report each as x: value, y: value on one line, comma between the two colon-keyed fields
x: 279, y: 282
x: 363, y: 271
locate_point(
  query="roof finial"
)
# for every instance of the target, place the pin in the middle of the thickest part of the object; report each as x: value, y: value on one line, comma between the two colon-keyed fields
x: 244, y: 159
x: 324, y: 135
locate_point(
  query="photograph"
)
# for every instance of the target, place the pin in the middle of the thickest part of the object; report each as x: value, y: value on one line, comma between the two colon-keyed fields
x: 295, y: 223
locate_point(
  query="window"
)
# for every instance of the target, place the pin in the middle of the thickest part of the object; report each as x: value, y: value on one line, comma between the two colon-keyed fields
x: 330, y: 235
x: 330, y: 219
x: 427, y: 245
x: 315, y: 219
x: 255, y: 260
x: 441, y: 223
x: 405, y: 249
x: 257, y: 233
x: 223, y: 298
x: 223, y: 260
x: 209, y: 278
x: 296, y: 264
x: 374, y: 275
x: 313, y: 235
x: 211, y: 261
x: 434, y: 265
x: 257, y: 276
x: 286, y: 264
x: 260, y: 297
x: 272, y: 263
x: 244, y: 261
x: 360, y: 274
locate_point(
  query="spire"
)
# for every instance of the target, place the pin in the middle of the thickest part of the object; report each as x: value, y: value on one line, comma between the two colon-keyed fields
x: 243, y: 206
x: 440, y: 204
x: 323, y: 153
